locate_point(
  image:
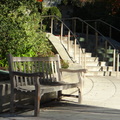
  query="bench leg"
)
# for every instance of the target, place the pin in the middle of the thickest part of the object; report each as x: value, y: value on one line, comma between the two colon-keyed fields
x: 12, y: 109
x: 59, y: 95
x: 37, y: 103
x: 79, y: 95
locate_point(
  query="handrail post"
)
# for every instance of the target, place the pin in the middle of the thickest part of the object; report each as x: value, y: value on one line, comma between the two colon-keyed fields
x: 52, y: 25
x: 74, y: 27
x: 96, y: 39
x: 80, y: 56
x: 110, y: 32
x: 61, y: 34
x: 118, y: 59
x: 114, y: 59
x: 96, y: 25
x: 68, y: 41
x: 84, y: 60
x: 96, y: 42
x: 82, y: 27
x: 87, y: 34
x: 106, y: 50
x: 75, y: 49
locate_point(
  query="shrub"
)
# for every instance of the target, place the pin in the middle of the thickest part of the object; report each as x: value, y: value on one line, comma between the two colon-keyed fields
x: 55, y: 11
x: 19, y: 30
x: 64, y: 64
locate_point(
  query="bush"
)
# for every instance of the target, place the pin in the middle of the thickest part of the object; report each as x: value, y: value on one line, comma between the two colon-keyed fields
x: 55, y: 11
x: 20, y: 34
x: 64, y: 64
x: 51, y: 11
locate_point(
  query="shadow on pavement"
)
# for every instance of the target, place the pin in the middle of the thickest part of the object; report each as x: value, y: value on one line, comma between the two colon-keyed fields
x: 66, y: 111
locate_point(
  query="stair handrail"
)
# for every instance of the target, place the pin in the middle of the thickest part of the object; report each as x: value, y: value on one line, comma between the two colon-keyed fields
x: 104, y: 23
x: 60, y: 20
x: 84, y: 21
x: 111, y: 28
x: 105, y: 38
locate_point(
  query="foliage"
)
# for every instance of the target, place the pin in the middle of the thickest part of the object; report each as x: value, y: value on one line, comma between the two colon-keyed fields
x: 46, y: 21
x: 54, y: 11
x: 65, y: 2
x: 51, y: 11
x: 19, y: 30
x: 64, y: 64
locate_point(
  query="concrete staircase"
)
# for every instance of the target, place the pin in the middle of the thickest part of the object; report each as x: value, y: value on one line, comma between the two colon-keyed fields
x: 92, y: 64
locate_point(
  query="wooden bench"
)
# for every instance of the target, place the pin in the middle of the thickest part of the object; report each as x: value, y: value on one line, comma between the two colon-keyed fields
x: 37, y: 76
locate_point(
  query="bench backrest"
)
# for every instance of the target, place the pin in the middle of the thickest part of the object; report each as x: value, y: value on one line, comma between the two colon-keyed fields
x: 47, y: 65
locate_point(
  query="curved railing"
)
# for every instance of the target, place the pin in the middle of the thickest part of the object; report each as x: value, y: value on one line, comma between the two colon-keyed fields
x: 96, y: 42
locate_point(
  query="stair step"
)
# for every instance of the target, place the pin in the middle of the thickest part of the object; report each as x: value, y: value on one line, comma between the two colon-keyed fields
x: 110, y: 68
x: 92, y: 63
x: 88, y: 54
x: 107, y: 68
x: 104, y: 68
x: 114, y: 73
x: 99, y: 73
x: 102, y: 63
x: 93, y: 68
x: 95, y: 73
x: 102, y: 73
x: 91, y: 59
x: 83, y: 49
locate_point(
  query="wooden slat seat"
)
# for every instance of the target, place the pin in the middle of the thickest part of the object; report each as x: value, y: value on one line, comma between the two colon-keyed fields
x: 37, y: 76
x: 48, y: 87
x: 29, y: 88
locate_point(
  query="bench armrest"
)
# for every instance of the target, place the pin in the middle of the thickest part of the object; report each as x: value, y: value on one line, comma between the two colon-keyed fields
x: 79, y: 73
x: 72, y: 70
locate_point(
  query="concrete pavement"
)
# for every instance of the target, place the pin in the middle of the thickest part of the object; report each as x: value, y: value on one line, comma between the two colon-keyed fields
x: 101, y: 101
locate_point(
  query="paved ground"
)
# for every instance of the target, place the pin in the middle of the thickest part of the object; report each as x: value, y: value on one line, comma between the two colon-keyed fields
x: 101, y: 101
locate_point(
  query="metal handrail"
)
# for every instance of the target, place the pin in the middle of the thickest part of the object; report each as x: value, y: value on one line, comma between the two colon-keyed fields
x: 104, y: 23
x: 97, y: 32
x: 63, y: 24
x: 106, y: 39
x: 111, y: 28
x: 84, y: 21
x: 76, y: 40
